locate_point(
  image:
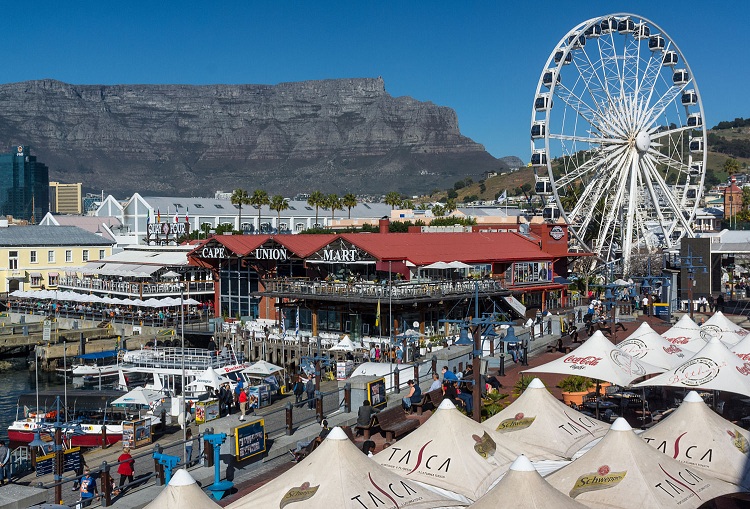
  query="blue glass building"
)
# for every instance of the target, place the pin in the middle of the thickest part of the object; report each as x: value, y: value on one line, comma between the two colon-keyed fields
x: 24, y: 185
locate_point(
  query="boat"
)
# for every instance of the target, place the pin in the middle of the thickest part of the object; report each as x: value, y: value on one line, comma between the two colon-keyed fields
x: 95, y: 365
x: 88, y: 414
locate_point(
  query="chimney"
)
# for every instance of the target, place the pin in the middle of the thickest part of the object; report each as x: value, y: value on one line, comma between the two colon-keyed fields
x: 384, y: 224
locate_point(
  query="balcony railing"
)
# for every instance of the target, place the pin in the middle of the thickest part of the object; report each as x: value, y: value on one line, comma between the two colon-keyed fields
x: 135, y: 289
x: 368, y: 289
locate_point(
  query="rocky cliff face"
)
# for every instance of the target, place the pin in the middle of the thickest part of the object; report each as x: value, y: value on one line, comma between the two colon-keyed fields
x: 333, y: 135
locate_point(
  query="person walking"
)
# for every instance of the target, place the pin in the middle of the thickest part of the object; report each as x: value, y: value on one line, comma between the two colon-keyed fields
x: 242, y: 398
x: 4, y: 463
x: 126, y: 467
x: 189, y: 443
x: 299, y: 390
x: 310, y: 390
x: 88, y: 489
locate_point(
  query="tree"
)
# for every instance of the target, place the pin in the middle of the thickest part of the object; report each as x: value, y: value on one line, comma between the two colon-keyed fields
x: 393, y: 199
x: 239, y: 198
x: 438, y: 211
x: 333, y: 202
x: 450, y: 206
x: 452, y: 195
x: 316, y: 200
x: 731, y: 166
x: 349, y: 201
x: 258, y: 199
x: 278, y: 203
x: 407, y: 204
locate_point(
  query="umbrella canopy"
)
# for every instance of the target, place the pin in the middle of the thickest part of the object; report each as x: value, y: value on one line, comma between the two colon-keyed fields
x: 153, y: 303
x: 647, y: 345
x: 209, y: 378
x: 686, y: 334
x: 523, y: 488
x: 262, y: 368
x: 459, y: 265
x: 182, y: 492
x: 623, y: 472
x: 438, y: 266
x: 598, y: 358
x: 337, y: 475
x: 454, y: 453
x: 345, y: 345
x: 410, y: 333
x: 538, y: 418
x: 719, y: 322
x: 714, y: 367
x: 191, y: 302
x: 139, y: 397
x: 696, y: 435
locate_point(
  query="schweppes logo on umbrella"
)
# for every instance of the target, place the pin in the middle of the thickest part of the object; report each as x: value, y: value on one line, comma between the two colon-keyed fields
x: 739, y: 441
x: 602, y: 479
x: 484, y: 445
x: 298, y: 494
x: 518, y: 422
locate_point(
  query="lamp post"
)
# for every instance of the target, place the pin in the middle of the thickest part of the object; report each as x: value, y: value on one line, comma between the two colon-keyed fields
x: 688, y: 262
x: 182, y: 375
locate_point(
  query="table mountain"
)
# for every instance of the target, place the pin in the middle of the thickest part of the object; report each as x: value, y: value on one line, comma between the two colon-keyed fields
x: 332, y: 135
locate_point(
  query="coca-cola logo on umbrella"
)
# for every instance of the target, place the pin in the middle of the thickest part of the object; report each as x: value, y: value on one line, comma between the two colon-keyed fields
x: 582, y: 362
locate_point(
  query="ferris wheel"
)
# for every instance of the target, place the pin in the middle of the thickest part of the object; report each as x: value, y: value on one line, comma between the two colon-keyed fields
x: 618, y: 141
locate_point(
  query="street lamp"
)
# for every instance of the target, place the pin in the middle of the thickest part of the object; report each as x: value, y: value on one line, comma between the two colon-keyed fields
x: 182, y: 362
x: 690, y: 266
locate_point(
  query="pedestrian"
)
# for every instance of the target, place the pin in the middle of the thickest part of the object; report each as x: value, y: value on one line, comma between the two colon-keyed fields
x: 435, y: 382
x: 413, y: 396
x: 237, y: 390
x: 399, y: 355
x: 299, y: 390
x: 377, y: 353
x: 711, y: 303
x: 365, y: 413
x: 189, y: 443
x: 644, y: 304
x: 4, y: 463
x: 88, y: 489
x: 367, y: 447
x: 243, y: 404
x: 310, y: 390
x: 126, y: 467
x: 449, y: 375
x: 373, y: 356
x: 720, y: 303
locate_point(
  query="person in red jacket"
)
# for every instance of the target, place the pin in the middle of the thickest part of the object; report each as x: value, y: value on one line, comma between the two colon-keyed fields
x: 126, y: 469
x: 243, y: 403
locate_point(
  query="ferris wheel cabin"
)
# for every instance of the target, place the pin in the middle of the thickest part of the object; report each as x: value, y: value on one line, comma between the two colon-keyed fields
x: 695, y: 120
x: 689, y: 98
x: 593, y: 31
x: 696, y: 169
x: 559, y: 57
x: 696, y: 144
x: 543, y: 186
x: 642, y: 31
x: 539, y: 158
x: 550, y: 211
x: 550, y: 76
x: 670, y: 59
x: 657, y: 43
x: 577, y: 41
x: 625, y: 26
x: 608, y: 25
x: 680, y: 77
x: 542, y: 102
x: 538, y: 130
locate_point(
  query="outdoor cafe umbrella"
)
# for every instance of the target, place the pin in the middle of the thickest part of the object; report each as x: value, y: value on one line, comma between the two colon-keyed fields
x: 598, y: 358
x: 139, y: 396
x: 623, y: 472
x: 336, y: 475
x: 345, y: 345
x: 523, y: 488
x: 262, y: 368
x: 714, y: 367
x: 649, y: 346
x: 696, y: 435
x: 209, y: 378
x: 721, y: 322
x: 686, y: 334
x: 538, y: 418
x: 182, y: 492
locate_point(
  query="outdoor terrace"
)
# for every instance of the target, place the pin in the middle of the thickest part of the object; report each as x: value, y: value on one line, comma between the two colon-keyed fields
x: 136, y: 289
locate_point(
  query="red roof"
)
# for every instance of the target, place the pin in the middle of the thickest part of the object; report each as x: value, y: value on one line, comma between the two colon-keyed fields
x: 301, y: 245
x: 426, y: 248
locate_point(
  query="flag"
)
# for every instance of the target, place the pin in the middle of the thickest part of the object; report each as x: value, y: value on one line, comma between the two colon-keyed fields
x: 176, y: 217
x: 148, y: 218
x: 296, y: 324
x: 158, y: 216
x: 503, y: 197
x: 283, y: 324
x: 377, y: 315
x: 187, y: 215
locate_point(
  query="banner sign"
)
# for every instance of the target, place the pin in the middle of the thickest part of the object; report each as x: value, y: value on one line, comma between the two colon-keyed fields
x: 250, y: 439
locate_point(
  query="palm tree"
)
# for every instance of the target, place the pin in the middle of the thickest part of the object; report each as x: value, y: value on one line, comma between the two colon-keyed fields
x: 258, y: 199
x: 407, y: 204
x: 450, y: 206
x: 393, y: 199
x: 438, y: 211
x: 333, y: 202
x: 278, y: 203
x: 349, y: 201
x: 316, y: 200
x: 239, y: 197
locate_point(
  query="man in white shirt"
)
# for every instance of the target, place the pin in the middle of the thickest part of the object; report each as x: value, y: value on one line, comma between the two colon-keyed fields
x: 435, y: 382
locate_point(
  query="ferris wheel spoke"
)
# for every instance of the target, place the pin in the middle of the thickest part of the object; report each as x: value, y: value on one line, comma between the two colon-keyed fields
x: 585, y: 111
x: 669, y: 196
x: 592, y: 81
x: 580, y: 171
x: 655, y: 202
x: 670, y: 162
x: 647, y: 85
x: 653, y: 113
x: 586, y: 139
x: 599, y: 197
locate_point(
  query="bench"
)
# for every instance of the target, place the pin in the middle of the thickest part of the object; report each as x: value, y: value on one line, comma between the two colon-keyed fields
x: 367, y: 430
x: 394, y: 423
x: 432, y: 398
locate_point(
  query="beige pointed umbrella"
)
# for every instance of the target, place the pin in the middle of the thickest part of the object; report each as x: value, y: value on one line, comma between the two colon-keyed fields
x: 686, y: 334
x: 598, y: 358
x: 714, y: 367
x: 455, y: 453
x: 538, y: 418
x: 336, y: 475
x: 182, y: 492
x: 623, y: 472
x: 647, y: 345
x: 719, y: 322
x: 523, y: 488
x: 697, y: 436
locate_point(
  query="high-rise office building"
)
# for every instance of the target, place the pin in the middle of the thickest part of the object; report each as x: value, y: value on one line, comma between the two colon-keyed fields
x: 24, y: 185
x: 65, y: 198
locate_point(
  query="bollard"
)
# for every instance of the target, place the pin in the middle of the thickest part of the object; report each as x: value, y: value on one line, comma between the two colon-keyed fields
x: 347, y: 397
x: 104, y: 436
x: 416, y: 373
x: 433, y: 366
x: 289, y: 419
x: 396, y: 382
x: 208, y: 450
x: 163, y: 417
x: 160, y: 478
x: 502, y: 365
x: 319, y: 406
x: 106, y: 485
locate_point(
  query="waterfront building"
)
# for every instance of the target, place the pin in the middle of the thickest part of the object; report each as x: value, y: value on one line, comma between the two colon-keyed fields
x: 24, y: 185
x: 65, y: 198
x: 37, y: 257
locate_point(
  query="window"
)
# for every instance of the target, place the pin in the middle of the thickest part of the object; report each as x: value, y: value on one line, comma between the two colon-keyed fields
x: 32, y: 256
x: 51, y: 256
x: 531, y: 272
x: 85, y: 255
x: 53, y: 279
x: 218, y: 206
x: 68, y: 255
x: 36, y: 279
x: 13, y: 260
x: 101, y: 254
x: 197, y: 205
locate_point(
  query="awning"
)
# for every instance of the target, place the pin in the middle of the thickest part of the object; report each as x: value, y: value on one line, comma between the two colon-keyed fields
x: 106, y: 354
x: 35, y: 274
x: 51, y: 274
x: 516, y: 305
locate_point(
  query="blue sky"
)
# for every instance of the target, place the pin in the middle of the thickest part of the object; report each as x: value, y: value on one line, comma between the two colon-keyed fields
x: 481, y: 58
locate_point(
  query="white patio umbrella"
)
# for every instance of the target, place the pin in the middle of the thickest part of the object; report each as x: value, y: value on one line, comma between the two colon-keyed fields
x: 262, y: 368
x: 714, y: 367
x: 538, y: 418
x: 523, y: 488
x: 153, y: 303
x: 139, y: 397
x: 686, y: 334
x: 697, y: 436
x: 623, y: 472
x: 649, y: 346
x: 438, y: 266
x: 18, y: 293
x: 209, y: 378
x: 336, y: 475
x: 345, y: 345
x: 182, y: 492
x: 191, y: 302
x: 457, y: 454
x: 719, y: 321
x: 598, y: 358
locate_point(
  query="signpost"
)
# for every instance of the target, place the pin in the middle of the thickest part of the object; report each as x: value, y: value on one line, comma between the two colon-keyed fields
x: 250, y: 439
x: 47, y: 331
x: 71, y: 462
